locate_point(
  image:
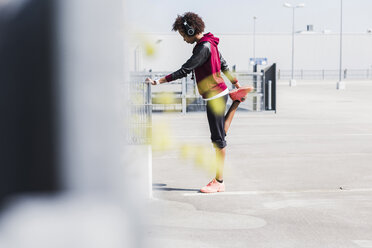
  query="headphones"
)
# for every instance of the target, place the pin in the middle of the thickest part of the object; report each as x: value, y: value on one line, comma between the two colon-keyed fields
x: 190, y: 31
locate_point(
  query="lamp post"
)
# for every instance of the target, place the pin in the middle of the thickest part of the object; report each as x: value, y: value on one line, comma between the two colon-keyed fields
x: 254, y: 37
x: 254, y: 52
x: 292, y: 82
x: 340, y: 83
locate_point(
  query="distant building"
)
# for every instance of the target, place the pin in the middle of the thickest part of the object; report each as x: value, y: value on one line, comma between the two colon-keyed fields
x: 313, y: 50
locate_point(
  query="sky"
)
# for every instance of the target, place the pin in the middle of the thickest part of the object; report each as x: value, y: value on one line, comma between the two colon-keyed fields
x: 236, y: 16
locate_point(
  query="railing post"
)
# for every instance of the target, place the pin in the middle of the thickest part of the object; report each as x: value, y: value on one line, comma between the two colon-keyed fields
x: 148, y: 108
x: 183, y: 96
x: 263, y: 89
x: 269, y: 95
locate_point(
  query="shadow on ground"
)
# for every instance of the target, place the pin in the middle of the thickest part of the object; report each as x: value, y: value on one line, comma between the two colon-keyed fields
x: 160, y: 187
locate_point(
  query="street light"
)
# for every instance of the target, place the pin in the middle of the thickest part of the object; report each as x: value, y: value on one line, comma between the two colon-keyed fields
x: 340, y: 84
x: 254, y: 37
x: 292, y: 82
x: 254, y: 52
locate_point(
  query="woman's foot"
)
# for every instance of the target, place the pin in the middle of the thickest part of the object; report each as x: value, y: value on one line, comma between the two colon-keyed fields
x: 213, y: 187
x: 240, y: 94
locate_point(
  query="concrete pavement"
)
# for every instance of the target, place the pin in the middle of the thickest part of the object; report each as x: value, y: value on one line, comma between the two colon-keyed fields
x: 298, y: 178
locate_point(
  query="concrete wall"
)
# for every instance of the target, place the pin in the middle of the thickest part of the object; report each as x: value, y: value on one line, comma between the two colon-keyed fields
x: 312, y: 50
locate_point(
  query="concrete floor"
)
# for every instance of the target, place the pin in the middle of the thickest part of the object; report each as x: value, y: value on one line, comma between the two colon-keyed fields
x: 299, y: 178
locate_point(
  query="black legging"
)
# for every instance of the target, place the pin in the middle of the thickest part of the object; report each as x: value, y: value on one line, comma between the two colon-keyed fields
x: 217, y: 123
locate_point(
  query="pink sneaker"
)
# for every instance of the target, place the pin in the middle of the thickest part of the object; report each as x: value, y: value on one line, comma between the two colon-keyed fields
x: 213, y: 187
x: 239, y: 94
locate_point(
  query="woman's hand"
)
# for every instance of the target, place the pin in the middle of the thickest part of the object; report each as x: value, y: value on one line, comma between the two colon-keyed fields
x: 153, y: 82
x: 237, y: 85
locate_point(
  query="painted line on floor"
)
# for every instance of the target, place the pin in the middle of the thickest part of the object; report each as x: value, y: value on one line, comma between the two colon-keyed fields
x: 279, y: 192
x: 280, y: 135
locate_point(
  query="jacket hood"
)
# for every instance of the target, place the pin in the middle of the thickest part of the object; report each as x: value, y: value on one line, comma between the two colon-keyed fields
x: 211, y: 38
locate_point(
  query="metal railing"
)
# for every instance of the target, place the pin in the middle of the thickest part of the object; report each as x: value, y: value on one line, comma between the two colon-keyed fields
x: 185, y: 95
x: 139, y: 119
x: 357, y: 74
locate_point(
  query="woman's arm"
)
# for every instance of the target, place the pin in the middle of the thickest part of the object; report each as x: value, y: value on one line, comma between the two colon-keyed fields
x: 156, y: 82
x: 226, y: 71
x: 200, y: 54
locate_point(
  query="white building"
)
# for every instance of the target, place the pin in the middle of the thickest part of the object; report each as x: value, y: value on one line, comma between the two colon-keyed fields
x: 313, y: 51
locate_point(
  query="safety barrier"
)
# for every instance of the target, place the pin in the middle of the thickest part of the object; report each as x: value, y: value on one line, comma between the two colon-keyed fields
x: 140, y: 114
x: 186, y: 98
x: 322, y: 74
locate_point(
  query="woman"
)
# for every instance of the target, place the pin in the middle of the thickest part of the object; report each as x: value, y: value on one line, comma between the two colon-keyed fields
x: 207, y: 63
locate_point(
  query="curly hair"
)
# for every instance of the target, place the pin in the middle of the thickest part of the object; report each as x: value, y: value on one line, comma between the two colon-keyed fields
x: 192, y: 19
